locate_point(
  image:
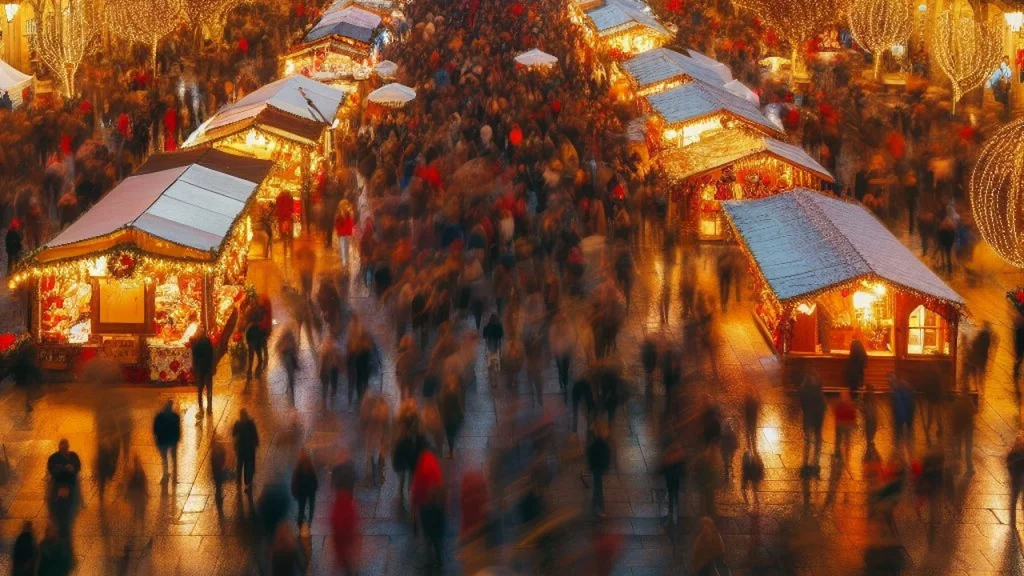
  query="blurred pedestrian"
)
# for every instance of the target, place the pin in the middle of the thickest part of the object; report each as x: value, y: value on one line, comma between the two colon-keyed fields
x: 845, y: 415
x: 287, y: 349
x: 328, y: 363
x: 963, y: 412
x: 599, y: 461
x: 452, y: 407
x: 137, y: 494
x: 286, y: 556
x: 1015, y: 470
x: 673, y: 469
x: 167, y: 434
x: 55, y: 557
x: 345, y: 531
x: 562, y: 343
x: 1018, y: 355
x: 903, y: 407
x: 203, y: 366
x: 304, y: 486
x: 708, y: 549
x: 13, y: 244
x: 751, y: 414
x: 977, y: 357
x: 855, y: 366
x: 728, y: 444
x: 218, y: 470
x: 24, y: 555
x: 64, y: 498
x: 247, y: 440
x: 752, y: 473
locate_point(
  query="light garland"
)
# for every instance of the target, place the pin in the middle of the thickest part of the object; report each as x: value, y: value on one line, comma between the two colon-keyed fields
x: 208, y: 14
x: 878, y: 25
x: 63, y: 41
x: 144, y: 21
x: 966, y: 50
x: 797, y: 20
x: 997, y: 192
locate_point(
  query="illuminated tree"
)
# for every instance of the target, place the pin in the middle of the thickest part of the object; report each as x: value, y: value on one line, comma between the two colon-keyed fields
x: 63, y: 40
x: 878, y: 25
x: 797, y: 21
x: 997, y: 192
x: 966, y: 50
x: 210, y: 15
x: 144, y: 21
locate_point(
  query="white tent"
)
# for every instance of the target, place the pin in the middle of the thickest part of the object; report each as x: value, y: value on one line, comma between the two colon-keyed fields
x: 740, y: 89
x: 393, y: 95
x: 711, y: 64
x: 386, y: 69
x: 536, y: 58
x: 13, y: 82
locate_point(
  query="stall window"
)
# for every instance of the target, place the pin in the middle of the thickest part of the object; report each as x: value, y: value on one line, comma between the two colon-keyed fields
x: 65, y: 313
x: 926, y: 333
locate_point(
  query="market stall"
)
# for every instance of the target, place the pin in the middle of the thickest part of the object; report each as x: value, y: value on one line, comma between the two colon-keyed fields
x: 828, y: 273
x: 685, y: 114
x: 662, y: 69
x: 734, y: 165
x: 341, y: 48
x: 622, y: 27
x: 160, y: 257
x: 16, y: 83
x: 288, y: 121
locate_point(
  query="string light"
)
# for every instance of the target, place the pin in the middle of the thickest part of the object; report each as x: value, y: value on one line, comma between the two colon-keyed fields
x: 966, y: 50
x: 797, y: 20
x: 997, y: 192
x: 878, y: 25
x: 144, y: 21
x: 63, y: 41
x: 208, y: 14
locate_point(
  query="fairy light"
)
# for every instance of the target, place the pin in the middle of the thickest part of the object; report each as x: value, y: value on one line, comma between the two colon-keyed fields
x: 796, y: 20
x: 997, y: 192
x: 144, y: 21
x: 966, y: 50
x: 63, y: 41
x: 879, y: 25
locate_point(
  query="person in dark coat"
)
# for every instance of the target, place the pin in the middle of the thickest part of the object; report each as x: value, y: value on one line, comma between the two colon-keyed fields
x: 812, y: 404
x: 1018, y: 354
x: 202, y: 369
x: 167, y: 433
x: 13, y: 244
x: 673, y: 468
x: 855, y: 365
x: 64, y: 466
x: 55, y: 557
x: 599, y: 460
x: 452, y: 407
x: 305, y: 485
x: 1015, y: 469
x: 247, y: 439
x: 24, y: 555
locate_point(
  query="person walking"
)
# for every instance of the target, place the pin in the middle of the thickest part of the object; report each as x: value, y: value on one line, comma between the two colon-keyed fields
x: 55, y: 557
x: 247, y: 439
x: 25, y: 554
x: 13, y: 244
x: 452, y: 406
x: 330, y: 369
x: 812, y: 404
x: 562, y: 343
x: 963, y: 413
x: 856, y: 364
x: 345, y: 530
x: 287, y: 349
x: 673, y: 469
x: 64, y: 466
x: 304, y: 486
x: 708, y: 549
x: 845, y: 414
x: 1015, y: 469
x: 203, y: 367
x: 167, y: 433
x: 751, y: 414
x: 137, y: 494
x: 1018, y: 355
x: 599, y: 460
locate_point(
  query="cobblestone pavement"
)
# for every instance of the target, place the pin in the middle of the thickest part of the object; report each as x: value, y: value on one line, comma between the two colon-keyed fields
x: 185, y: 534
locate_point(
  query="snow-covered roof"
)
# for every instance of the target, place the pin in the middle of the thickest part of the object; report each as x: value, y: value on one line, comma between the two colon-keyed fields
x: 727, y: 146
x: 350, y: 22
x: 804, y: 243
x: 618, y: 14
x: 661, y: 64
x: 711, y: 64
x: 697, y: 100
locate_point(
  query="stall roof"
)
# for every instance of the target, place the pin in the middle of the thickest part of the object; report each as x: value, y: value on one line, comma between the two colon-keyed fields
x: 380, y: 6
x: 616, y: 14
x: 696, y: 100
x: 351, y: 22
x: 728, y: 146
x: 717, y: 67
x: 184, y: 202
x: 661, y: 64
x: 294, y: 105
x: 805, y: 243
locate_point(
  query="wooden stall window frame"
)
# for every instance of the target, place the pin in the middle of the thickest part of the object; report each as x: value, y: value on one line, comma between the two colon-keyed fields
x: 145, y: 328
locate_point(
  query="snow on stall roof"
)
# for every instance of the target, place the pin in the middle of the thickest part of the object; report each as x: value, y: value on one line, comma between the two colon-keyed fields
x: 696, y: 99
x: 662, y: 64
x: 804, y: 242
x: 616, y: 13
x: 724, y: 147
x: 351, y: 22
x: 286, y: 95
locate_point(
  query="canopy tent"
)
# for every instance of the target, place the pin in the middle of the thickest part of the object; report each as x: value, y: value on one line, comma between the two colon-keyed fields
x: 392, y: 95
x: 723, y: 71
x: 295, y: 107
x: 179, y: 205
x: 351, y: 22
x: 386, y: 69
x: 14, y: 82
x: 536, y: 57
x: 661, y: 68
x: 740, y: 89
x: 804, y: 243
x: 726, y: 147
x: 696, y: 100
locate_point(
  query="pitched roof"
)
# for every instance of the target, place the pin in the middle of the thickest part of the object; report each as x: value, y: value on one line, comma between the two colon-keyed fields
x: 661, y: 64
x: 727, y: 146
x: 617, y: 14
x: 804, y: 243
x: 696, y: 100
x: 351, y: 22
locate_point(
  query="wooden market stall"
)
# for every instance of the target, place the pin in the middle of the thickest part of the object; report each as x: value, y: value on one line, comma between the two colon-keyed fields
x: 623, y: 27
x: 662, y: 69
x: 828, y: 273
x: 735, y: 165
x: 161, y: 256
x: 288, y: 121
x: 683, y: 115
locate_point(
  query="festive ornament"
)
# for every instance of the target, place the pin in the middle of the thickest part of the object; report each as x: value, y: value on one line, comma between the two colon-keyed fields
x: 966, y: 50
x: 878, y: 25
x: 997, y: 192
x: 62, y: 42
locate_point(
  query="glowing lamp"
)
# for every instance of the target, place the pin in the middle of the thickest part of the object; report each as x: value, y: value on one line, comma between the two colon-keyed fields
x: 805, y: 309
x: 671, y: 134
x: 863, y: 300
x: 98, y: 267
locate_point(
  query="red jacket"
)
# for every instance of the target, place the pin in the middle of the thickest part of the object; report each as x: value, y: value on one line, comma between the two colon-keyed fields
x: 344, y: 225
x: 285, y: 205
x: 345, y: 528
x: 425, y: 479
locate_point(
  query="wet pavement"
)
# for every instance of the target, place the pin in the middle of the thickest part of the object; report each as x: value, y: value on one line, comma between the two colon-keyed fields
x: 184, y: 533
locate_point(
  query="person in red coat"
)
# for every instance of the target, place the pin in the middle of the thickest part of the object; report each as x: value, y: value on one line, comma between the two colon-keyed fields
x: 345, y: 531
x: 170, y: 129
x: 243, y: 46
x: 285, y: 208
x: 344, y: 226
x: 427, y: 495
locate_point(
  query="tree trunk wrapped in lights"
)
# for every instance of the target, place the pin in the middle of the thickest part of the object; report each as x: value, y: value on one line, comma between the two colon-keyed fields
x: 144, y: 21
x: 878, y: 25
x: 997, y: 192
x: 798, y: 21
x: 966, y: 50
x: 63, y: 40
x: 210, y: 15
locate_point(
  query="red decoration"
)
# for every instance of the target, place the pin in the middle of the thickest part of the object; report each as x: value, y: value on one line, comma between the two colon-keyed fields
x: 515, y: 136
x: 6, y: 341
x: 121, y: 266
x: 175, y: 365
x: 674, y: 6
x: 517, y: 10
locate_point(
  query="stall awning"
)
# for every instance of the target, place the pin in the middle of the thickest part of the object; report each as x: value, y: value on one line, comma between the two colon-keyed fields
x: 661, y: 65
x: 698, y: 100
x: 349, y: 22
x: 180, y: 205
x: 617, y: 15
x: 728, y: 146
x: 805, y: 243
x: 295, y: 106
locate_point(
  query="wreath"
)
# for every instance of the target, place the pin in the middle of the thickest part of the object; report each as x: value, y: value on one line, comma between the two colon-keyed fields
x: 121, y: 265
